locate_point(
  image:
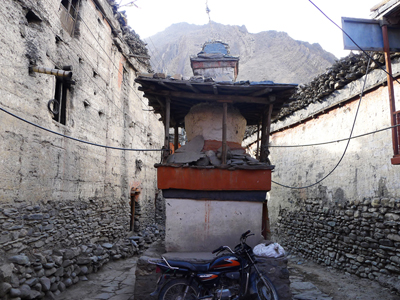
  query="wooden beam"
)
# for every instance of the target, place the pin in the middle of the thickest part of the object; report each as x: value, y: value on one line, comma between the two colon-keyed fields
x: 176, y: 136
x: 261, y: 92
x: 167, y: 120
x: 392, y: 103
x: 224, y: 118
x: 210, y: 97
x: 265, y: 131
x: 215, y: 88
x: 167, y: 86
x: 258, y: 142
x: 192, y: 88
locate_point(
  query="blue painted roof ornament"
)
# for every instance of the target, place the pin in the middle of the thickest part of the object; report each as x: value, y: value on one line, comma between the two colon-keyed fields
x: 215, y: 49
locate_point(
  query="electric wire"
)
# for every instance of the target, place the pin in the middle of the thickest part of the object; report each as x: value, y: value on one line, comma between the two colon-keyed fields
x: 347, y: 145
x: 75, y: 139
x: 154, y: 62
x: 115, y: 66
x: 156, y: 54
x: 361, y: 49
x: 92, y: 80
x: 269, y: 146
x: 330, y: 142
x: 105, y: 94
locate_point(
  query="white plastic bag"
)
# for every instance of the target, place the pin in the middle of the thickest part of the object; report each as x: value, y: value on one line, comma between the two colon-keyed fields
x: 272, y: 250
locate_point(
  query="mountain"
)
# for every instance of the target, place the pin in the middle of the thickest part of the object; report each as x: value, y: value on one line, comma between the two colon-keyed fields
x: 268, y: 55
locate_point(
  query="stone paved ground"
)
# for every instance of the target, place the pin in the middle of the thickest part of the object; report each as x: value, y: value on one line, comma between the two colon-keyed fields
x: 309, y: 281
x: 115, y: 281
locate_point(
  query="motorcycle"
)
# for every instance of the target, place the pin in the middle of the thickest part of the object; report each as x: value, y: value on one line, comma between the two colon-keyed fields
x: 231, y: 276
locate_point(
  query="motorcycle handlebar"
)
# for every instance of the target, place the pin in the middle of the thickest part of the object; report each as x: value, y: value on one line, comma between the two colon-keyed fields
x: 245, y: 234
x: 219, y: 249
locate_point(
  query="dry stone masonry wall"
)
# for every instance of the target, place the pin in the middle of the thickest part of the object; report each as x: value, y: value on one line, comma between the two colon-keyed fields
x: 342, y: 72
x: 358, y: 237
x: 82, y: 236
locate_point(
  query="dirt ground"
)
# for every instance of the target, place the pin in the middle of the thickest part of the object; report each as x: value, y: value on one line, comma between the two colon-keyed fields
x: 337, y: 284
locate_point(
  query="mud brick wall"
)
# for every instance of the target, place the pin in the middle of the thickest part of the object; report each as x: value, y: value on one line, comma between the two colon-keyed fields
x: 358, y: 237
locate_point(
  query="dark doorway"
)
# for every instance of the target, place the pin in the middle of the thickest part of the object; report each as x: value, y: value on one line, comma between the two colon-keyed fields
x: 135, y: 192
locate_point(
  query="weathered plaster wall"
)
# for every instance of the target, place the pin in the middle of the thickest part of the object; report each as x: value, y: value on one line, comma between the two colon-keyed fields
x: 206, y: 120
x: 365, y: 171
x: 43, y: 171
x: 204, y: 225
x: 349, y: 220
x: 227, y: 73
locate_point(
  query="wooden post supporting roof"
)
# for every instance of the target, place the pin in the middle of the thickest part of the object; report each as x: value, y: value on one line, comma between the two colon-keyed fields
x: 224, y: 118
x: 392, y: 103
x: 176, y: 137
x: 258, y: 142
x: 265, y: 131
x: 167, y: 121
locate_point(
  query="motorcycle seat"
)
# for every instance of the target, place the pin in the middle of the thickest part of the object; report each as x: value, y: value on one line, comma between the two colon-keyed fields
x: 190, y: 266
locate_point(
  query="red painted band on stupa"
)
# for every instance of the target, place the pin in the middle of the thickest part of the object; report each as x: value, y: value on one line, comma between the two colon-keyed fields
x: 213, y: 179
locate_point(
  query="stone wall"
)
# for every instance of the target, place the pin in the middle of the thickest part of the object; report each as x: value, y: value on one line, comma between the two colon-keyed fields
x: 51, y: 225
x: 103, y: 107
x: 359, y: 237
x: 48, y: 246
x: 349, y: 220
x: 58, y: 194
x: 364, y: 172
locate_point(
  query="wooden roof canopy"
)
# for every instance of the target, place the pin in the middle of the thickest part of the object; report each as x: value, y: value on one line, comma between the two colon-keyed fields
x: 251, y: 98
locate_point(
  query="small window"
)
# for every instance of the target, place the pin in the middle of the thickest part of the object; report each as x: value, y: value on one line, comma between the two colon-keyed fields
x: 71, y: 6
x: 69, y: 14
x: 60, y: 98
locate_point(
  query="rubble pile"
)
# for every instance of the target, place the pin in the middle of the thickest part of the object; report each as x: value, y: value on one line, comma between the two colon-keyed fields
x: 192, y: 154
x: 358, y: 237
x: 136, y: 45
x: 342, y: 72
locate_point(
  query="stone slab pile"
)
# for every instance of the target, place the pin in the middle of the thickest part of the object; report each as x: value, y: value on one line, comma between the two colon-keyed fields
x: 137, y: 46
x: 357, y: 237
x: 342, y: 72
x: 192, y: 154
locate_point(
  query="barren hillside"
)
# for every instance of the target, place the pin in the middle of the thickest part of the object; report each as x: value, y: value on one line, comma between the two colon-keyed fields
x: 268, y: 55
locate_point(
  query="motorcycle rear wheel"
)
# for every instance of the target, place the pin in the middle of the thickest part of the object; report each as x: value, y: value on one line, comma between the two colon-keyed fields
x: 265, y: 289
x: 175, y: 289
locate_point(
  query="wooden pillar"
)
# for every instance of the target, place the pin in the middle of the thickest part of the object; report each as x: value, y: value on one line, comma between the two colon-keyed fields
x: 265, y: 131
x: 176, y: 136
x: 389, y: 76
x: 224, y: 118
x: 258, y: 142
x: 167, y: 121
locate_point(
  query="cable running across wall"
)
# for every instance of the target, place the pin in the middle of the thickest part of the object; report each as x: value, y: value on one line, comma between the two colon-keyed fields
x: 337, y: 141
x: 112, y: 62
x: 361, y: 49
x: 75, y: 139
x: 347, y: 145
x: 89, y: 76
